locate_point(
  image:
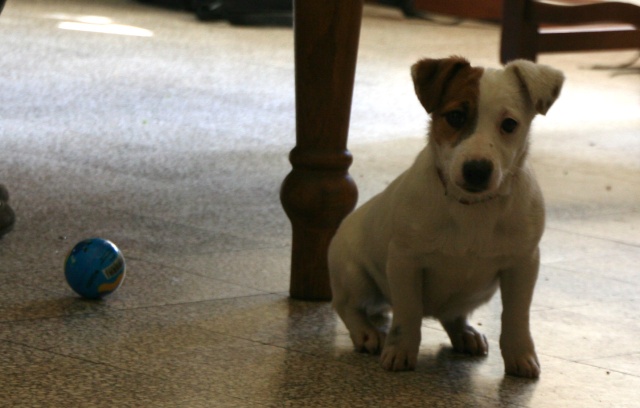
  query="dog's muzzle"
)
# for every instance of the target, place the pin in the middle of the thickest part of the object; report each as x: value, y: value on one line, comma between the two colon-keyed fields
x: 476, y: 175
x: 480, y: 179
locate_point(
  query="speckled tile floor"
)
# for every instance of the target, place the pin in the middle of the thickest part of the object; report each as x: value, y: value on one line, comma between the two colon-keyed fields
x: 174, y: 146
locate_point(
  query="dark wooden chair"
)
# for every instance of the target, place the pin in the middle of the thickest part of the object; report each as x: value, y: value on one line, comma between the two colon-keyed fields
x: 531, y: 27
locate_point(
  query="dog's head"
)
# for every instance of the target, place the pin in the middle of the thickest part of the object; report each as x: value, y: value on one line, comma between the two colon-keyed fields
x: 480, y: 120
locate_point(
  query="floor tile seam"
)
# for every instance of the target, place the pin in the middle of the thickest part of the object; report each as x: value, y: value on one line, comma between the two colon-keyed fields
x: 50, y: 350
x: 16, y: 281
x: 634, y: 353
x: 253, y: 342
x: 571, y: 308
x: 607, y: 369
x: 279, y: 148
x: 104, y: 172
x: 60, y: 164
x: 20, y: 282
x: 116, y: 367
x: 177, y: 304
x: 615, y: 241
x: 579, y: 170
x: 584, y: 362
x: 44, y: 318
x: 256, y: 244
x: 261, y: 243
x: 597, y: 215
x: 555, y: 265
x: 606, y: 187
x: 536, y: 308
x: 266, y: 248
x: 560, y: 358
x: 117, y: 309
x: 229, y: 251
x: 204, y: 276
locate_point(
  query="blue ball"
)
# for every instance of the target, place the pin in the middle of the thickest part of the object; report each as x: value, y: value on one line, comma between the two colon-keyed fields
x: 94, y: 268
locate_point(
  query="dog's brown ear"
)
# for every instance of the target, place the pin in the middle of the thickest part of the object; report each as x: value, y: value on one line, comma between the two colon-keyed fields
x: 541, y: 84
x: 432, y: 78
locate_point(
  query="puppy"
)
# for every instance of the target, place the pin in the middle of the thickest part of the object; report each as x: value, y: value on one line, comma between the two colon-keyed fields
x: 463, y: 220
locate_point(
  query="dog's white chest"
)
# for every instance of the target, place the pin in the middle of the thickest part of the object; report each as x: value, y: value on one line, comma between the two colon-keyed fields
x: 456, y: 243
x: 471, y: 232
x: 455, y: 285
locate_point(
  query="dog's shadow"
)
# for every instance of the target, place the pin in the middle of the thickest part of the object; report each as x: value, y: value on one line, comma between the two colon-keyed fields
x: 516, y: 391
x: 314, y: 330
x: 482, y: 377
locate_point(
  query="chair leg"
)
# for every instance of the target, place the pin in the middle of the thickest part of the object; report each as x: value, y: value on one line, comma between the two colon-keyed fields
x: 519, y: 31
x: 319, y: 193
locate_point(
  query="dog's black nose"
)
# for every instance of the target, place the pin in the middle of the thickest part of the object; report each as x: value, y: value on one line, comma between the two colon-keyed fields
x: 477, y: 174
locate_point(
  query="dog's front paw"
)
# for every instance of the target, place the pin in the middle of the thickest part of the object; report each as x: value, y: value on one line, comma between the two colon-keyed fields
x: 368, y: 340
x: 519, y: 355
x: 398, y: 358
x: 465, y: 339
x: 524, y: 365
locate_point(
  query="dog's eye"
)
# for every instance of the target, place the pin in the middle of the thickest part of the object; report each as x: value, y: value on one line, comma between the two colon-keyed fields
x: 456, y: 119
x: 508, y: 125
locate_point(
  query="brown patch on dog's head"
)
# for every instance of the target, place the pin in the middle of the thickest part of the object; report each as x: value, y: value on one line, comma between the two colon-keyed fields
x: 448, y: 89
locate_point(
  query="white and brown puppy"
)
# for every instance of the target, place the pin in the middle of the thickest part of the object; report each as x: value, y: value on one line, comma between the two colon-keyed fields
x: 463, y: 220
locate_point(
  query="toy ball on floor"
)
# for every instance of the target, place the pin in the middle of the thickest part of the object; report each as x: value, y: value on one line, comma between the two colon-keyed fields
x: 94, y: 268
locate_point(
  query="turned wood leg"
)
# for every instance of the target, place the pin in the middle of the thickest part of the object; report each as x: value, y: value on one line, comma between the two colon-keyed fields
x: 319, y: 193
x: 519, y: 31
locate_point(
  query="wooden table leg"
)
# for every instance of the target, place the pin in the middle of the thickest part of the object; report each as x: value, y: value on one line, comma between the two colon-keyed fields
x: 519, y: 31
x: 319, y: 193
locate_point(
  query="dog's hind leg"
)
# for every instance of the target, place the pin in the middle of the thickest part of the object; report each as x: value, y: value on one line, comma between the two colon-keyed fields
x: 464, y: 338
x: 361, y: 307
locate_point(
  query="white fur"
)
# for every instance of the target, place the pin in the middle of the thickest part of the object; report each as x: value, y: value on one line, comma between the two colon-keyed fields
x: 417, y: 248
